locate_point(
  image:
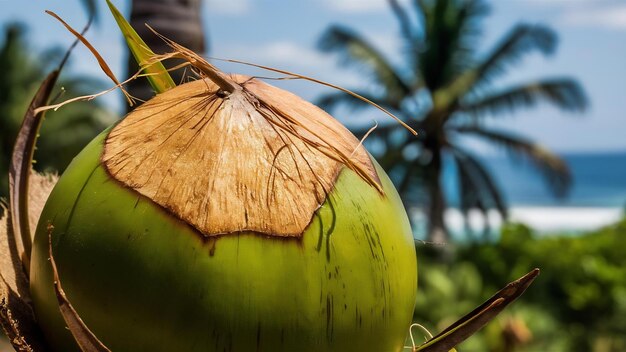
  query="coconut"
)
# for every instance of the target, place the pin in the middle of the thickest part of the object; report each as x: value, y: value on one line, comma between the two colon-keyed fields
x: 227, y: 215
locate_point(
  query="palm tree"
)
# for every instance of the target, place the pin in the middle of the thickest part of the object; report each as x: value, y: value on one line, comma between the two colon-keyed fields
x: 66, y: 131
x: 444, y: 91
x: 178, y: 20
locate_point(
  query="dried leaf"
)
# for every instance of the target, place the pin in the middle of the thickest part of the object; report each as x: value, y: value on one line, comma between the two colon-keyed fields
x: 11, y: 268
x: 25, y: 205
x: 16, y: 314
x: 479, y: 317
x: 86, y: 340
x: 157, y: 75
x: 40, y: 186
x: 103, y: 65
x: 18, y: 321
x: 19, y: 170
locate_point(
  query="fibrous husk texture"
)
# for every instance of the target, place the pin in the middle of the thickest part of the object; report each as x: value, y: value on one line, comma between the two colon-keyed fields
x: 16, y: 314
x: 259, y: 159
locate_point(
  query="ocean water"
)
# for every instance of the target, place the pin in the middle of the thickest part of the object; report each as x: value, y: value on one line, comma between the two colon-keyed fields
x: 599, y: 180
x: 597, y: 197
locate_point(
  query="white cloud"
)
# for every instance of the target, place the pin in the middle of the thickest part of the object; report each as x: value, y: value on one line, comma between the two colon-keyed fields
x: 285, y: 52
x: 356, y: 5
x: 228, y: 7
x: 609, y: 14
x: 606, y: 17
x: 558, y: 2
x: 282, y: 54
x: 564, y: 4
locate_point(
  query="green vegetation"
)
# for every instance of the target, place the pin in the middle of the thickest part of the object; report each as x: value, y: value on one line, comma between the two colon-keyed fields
x: 66, y: 131
x: 444, y: 89
x: 578, y: 303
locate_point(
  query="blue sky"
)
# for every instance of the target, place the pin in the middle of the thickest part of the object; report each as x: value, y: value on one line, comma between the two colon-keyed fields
x: 283, y: 34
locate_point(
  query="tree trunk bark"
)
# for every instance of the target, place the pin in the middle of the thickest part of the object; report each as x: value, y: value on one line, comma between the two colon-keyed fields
x: 178, y: 20
x: 437, y: 231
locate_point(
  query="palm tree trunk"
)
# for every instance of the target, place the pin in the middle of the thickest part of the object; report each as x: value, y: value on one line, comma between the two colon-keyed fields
x: 437, y: 231
x: 178, y: 20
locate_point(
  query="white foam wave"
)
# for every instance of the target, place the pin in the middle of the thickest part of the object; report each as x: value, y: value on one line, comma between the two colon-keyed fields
x: 541, y: 219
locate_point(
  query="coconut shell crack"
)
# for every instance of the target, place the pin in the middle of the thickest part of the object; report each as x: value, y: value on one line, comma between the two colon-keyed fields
x: 259, y: 159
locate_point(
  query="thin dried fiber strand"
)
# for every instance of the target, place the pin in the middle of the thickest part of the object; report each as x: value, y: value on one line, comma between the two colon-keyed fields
x: 89, y: 97
x: 118, y: 85
x: 413, y: 346
x: 334, y: 86
x: 334, y: 153
x: 217, y: 77
x: 197, y: 61
x: 103, y: 65
x: 365, y: 137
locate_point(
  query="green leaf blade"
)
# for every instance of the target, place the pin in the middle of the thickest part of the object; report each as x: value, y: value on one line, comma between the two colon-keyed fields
x: 157, y: 75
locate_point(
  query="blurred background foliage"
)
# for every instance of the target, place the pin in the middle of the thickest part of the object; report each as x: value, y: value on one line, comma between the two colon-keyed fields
x: 444, y: 89
x: 66, y: 131
x: 578, y: 303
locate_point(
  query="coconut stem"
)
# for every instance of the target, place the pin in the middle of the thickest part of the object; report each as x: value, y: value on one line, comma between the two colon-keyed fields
x: 220, y: 79
x: 198, y: 62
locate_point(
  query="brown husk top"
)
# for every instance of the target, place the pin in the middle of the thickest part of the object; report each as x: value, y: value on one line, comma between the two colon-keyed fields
x: 258, y: 159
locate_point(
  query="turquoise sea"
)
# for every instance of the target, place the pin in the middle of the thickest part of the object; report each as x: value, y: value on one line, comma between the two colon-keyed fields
x: 597, y: 196
x: 599, y: 180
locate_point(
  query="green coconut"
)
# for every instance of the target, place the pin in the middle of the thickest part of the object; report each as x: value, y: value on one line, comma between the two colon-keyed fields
x: 243, y: 219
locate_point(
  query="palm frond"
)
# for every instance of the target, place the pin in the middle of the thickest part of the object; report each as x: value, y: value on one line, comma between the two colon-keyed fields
x: 355, y: 50
x: 91, y: 8
x: 478, y: 189
x: 403, y: 19
x: 411, y: 186
x: 553, y: 169
x: 470, y: 198
x: 521, y: 40
x: 564, y: 93
x: 470, y: 14
x: 391, y: 159
x: 450, y: 35
x: 406, y: 175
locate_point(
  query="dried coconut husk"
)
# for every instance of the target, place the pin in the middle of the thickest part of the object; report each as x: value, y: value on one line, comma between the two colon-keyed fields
x: 16, y: 313
x: 233, y: 154
x: 256, y: 159
x: 229, y: 154
x: 40, y: 186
